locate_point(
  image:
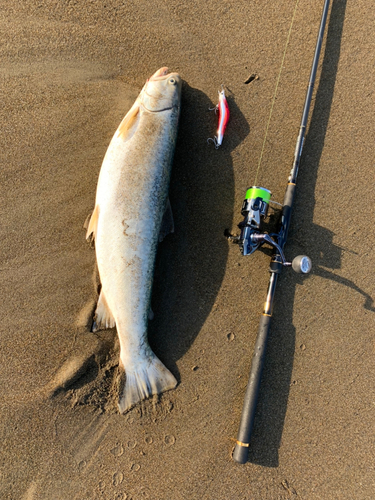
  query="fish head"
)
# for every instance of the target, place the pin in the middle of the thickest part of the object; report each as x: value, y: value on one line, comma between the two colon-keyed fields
x: 162, y: 91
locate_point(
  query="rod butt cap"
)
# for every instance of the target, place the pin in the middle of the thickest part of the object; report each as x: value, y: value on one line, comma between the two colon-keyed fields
x: 241, y: 453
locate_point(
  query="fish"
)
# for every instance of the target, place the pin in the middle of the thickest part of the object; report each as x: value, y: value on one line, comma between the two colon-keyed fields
x: 132, y: 214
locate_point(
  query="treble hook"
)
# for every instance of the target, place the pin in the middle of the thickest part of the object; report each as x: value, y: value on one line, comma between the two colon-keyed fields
x: 214, y: 140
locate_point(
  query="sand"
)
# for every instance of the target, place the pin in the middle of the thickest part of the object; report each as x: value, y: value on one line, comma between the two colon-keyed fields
x: 69, y: 72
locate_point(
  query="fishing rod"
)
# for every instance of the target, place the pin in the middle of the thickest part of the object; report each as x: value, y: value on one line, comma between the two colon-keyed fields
x: 252, y: 237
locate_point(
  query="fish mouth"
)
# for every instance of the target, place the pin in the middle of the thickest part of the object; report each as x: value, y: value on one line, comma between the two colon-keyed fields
x: 160, y: 74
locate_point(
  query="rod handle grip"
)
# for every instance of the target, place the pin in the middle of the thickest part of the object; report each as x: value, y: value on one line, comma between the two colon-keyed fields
x: 241, y: 450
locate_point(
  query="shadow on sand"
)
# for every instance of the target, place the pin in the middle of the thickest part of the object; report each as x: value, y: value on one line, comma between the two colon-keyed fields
x: 191, y: 263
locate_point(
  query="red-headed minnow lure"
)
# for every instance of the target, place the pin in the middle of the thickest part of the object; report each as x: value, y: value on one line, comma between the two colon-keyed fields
x: 223, y: 109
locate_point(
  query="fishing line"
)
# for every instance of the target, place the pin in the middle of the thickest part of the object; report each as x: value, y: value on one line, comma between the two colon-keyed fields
x: 274, y: 95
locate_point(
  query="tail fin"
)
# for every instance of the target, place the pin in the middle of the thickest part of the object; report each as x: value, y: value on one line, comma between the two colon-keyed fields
x: 152, y: 377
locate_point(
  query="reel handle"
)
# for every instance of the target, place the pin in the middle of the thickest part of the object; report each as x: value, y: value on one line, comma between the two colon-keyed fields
x: 300, y: 264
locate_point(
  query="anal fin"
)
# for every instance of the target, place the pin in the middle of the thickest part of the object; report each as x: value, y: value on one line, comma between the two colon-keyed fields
x: 103, y: 316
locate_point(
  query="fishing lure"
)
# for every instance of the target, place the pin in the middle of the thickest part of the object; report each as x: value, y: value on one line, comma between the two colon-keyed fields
x: 223, y: 109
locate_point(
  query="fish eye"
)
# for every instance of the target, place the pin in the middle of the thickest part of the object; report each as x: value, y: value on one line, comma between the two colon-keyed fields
x: 172, y: 81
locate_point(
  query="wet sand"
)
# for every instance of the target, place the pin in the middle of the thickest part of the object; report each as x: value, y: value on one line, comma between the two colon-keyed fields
x: 69, y: 73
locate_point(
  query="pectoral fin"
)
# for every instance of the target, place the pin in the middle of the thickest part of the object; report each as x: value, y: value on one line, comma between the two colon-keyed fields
x: 129, y: 124
x: 92, y: 225
x: 167, y: 224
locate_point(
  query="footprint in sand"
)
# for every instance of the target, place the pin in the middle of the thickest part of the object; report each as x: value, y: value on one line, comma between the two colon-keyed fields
x: 132, y: 444
x: 169, y: 440
x: 101, y: 486
x: 118, y: 450
x: 82, y: 464
x: 117, y: 478
x: 129, y: 419
x: 120, y: 496
x: 145, y: 492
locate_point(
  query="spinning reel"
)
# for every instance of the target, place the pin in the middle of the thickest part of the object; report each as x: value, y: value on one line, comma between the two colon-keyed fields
x: 255, y: 210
